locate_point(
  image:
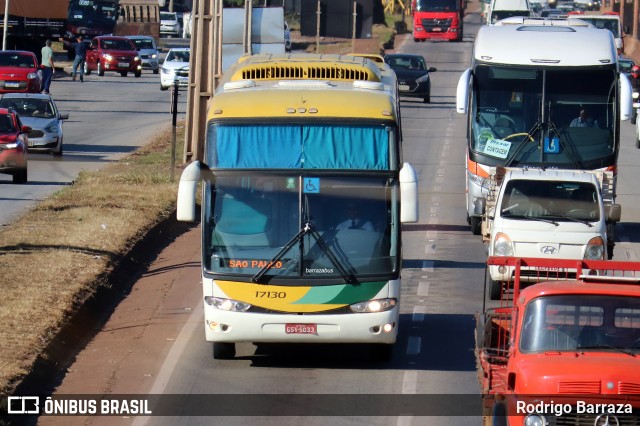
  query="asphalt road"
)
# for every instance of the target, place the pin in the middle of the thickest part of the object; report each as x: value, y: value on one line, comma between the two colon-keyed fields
x: 154, y: 344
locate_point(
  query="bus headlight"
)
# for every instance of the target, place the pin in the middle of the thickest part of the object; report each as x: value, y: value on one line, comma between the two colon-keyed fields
x: 376, y: 305
x: 595, y: 249
x: 502, y: 245
x: 534, y: 420
x: 227, y: 304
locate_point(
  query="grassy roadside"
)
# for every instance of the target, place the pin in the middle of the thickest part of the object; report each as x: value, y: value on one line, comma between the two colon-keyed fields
x: 58, y: 254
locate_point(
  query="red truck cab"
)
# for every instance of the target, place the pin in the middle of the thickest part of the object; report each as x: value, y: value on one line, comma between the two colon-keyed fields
x: 570, y: 342
x: 437, y: 19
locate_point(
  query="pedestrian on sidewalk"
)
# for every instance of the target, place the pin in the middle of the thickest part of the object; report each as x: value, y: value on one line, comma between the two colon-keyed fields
x: 80, y: 48
x: 49, y: 66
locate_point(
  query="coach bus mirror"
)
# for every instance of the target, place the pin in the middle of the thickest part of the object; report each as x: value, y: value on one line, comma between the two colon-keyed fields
x: 408, y: 194
x: 462, y: 92
x: 626, y: 98
x: 613, y: 212
x: 186, y: 205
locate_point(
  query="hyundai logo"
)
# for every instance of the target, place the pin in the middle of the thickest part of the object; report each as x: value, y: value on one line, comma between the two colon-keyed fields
x: 606, y: 420
x: 548, y: 250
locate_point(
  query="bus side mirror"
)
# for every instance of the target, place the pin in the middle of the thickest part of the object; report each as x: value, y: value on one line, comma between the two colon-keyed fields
x: 626, y: 98
x: 462, y: 92
x: 186, y: 205
x: 409, y: 212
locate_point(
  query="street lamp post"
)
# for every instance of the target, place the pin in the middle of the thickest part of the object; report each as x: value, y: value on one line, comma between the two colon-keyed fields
x: 6, y: 22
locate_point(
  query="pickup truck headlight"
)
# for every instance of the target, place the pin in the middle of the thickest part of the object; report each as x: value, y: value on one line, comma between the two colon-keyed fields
x: 595, y: 249
x: 502, y: 245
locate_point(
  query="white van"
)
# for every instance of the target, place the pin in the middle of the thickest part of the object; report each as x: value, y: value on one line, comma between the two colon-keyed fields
x: 501, y: 9
x: 554, y: 214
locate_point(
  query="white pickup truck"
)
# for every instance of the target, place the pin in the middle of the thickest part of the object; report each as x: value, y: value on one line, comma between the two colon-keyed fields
x: 559, y: 214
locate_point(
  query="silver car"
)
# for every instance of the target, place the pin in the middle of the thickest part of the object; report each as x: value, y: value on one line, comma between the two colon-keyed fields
x: 39, y: 112
x: 148, y: 52
x: 175, y: 67
x: 170, y: 25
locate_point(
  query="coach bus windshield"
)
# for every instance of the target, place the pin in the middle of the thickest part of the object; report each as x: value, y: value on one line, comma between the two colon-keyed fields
x: 561, y: 118
x: 292, y: 201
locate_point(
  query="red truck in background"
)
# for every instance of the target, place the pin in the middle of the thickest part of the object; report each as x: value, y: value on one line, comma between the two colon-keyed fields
x: 566, y: 349
x: 437, y: 19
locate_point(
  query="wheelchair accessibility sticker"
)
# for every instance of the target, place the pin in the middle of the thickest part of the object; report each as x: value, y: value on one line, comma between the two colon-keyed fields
x: 311, y: 185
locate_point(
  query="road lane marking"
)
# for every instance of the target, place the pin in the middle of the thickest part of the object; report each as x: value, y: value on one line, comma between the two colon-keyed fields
x: 423, y: 288
x: 413, y: 345
x: 419, y: 313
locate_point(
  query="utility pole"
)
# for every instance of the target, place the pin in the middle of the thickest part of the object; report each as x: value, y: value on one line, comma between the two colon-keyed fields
x: 6, y: 23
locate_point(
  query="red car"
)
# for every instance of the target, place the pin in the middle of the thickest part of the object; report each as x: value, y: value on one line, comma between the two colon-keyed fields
x: 13, y: 145
x: 19, y: 72
x: 110, y: 53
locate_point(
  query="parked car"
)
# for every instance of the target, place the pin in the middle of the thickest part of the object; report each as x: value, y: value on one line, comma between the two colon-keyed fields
x: 287, y: 37
x: 19, y: 72
x: 148, y: 52
x: 413, y: 75
x: 13, y: 145
x: 175, y: 66
x: 178, y: 8
x: 170, y: 25
x: 111, y: 53
x: 40, y: 113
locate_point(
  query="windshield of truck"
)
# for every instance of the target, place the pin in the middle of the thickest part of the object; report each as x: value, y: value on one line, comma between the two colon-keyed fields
x: 93, y: 14
x: 558, y: 200
x: 437, y: 5
x: 313, y: 201
x: 581, y: 322
x: 561, y: 118
x: 611, y: 24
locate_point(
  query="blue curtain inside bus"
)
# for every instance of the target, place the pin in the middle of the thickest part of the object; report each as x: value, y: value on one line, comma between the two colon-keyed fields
x: 299, y: 147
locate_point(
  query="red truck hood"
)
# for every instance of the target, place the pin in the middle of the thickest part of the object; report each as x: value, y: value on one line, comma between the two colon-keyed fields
x: 555, y: 373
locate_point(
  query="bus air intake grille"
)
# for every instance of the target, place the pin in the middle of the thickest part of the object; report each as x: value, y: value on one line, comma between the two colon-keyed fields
x: 579, y: 387
x: 312, y: 72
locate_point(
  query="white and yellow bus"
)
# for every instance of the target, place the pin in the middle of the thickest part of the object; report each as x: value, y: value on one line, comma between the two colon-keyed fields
x: 291, y: 143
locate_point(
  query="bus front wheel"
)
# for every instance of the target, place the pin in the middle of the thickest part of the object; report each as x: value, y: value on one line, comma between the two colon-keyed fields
x: 224, y: 350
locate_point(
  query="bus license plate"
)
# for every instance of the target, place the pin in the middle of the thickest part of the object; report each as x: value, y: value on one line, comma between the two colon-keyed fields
x: 123, y: 64
x: 301, y: 328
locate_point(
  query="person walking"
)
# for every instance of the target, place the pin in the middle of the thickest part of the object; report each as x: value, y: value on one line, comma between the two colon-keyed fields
x: 49, y: 66
x: 80, y: 48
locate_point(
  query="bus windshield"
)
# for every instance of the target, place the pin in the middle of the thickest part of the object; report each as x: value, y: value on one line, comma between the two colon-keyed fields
x: 436, y: 5
x: 544, y: 117
x: 315, y: 201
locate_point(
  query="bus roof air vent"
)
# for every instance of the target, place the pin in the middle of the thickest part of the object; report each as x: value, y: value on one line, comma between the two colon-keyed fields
x: 303, y: 70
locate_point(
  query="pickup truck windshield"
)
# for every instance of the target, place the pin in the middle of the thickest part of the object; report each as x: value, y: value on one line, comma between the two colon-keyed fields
x: 557, y: 200
x: 581, y: 322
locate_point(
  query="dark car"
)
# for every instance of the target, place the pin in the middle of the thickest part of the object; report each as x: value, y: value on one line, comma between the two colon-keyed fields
x: 13, y: 145
x: 19, y: 72
x: 413, y: 75
x: 111, y: 53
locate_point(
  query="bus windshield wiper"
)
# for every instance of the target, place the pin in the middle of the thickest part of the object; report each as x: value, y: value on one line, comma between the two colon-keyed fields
x: 528, y: 137
x: 306, y: 229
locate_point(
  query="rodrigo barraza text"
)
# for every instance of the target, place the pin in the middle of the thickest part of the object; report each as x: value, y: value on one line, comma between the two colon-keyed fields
x: 580, y: 407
